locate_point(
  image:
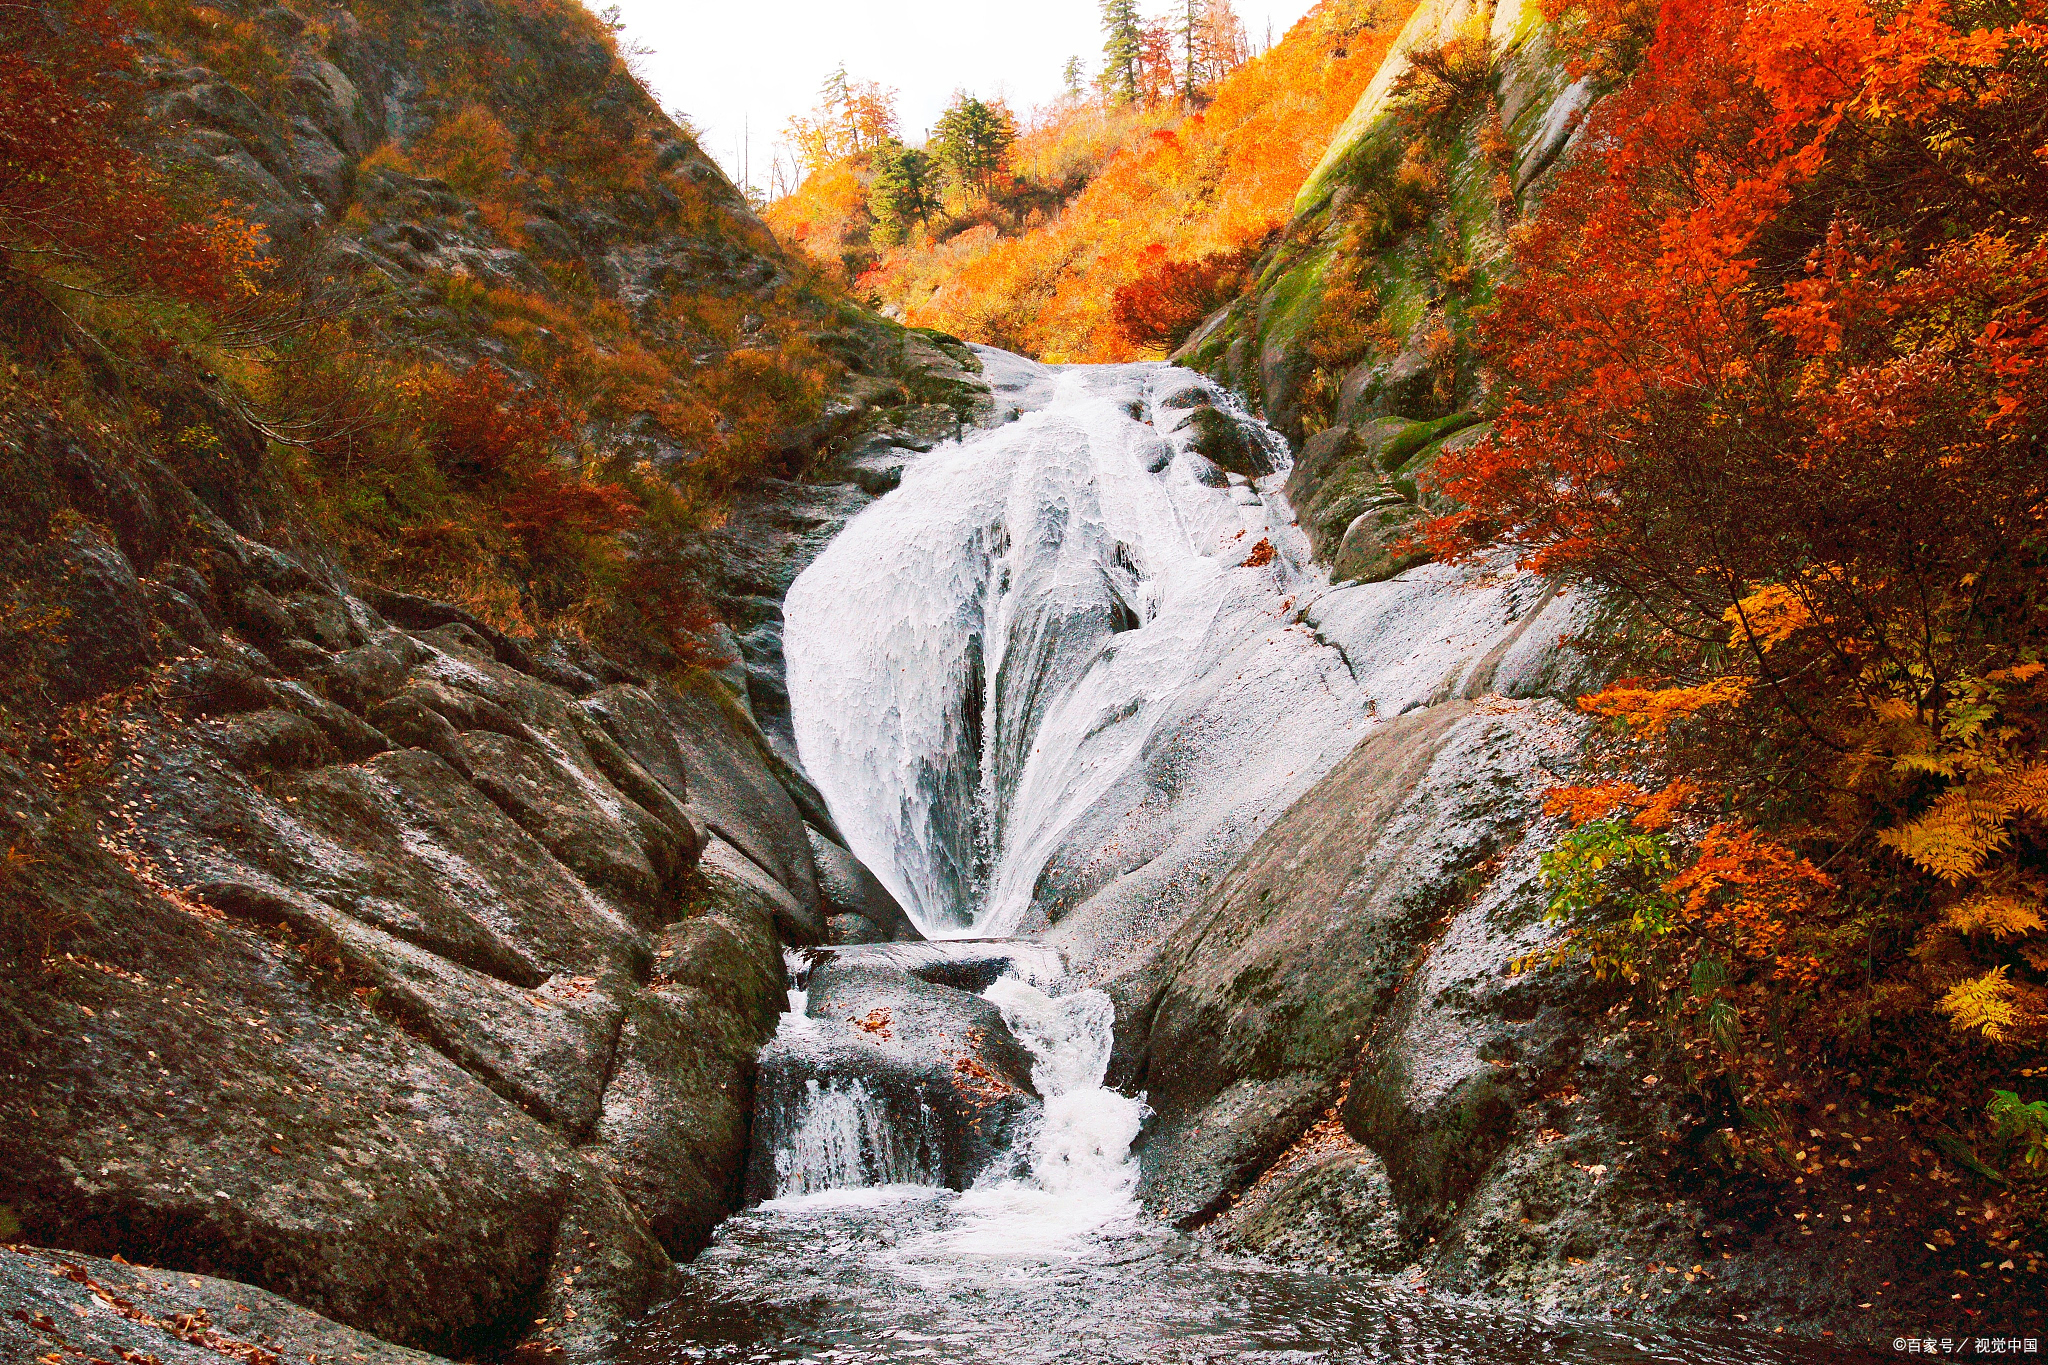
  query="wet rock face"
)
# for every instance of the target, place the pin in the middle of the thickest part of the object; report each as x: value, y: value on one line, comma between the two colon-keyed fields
x: 858, y: 908
x: 382, y: 962
x: 1267, y: 996
x: 902, y: 1056
x: 919, y: 388
x: 1337, y: 1208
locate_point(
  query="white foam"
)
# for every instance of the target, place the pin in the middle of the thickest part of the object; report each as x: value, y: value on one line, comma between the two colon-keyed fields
x: 1081, y: 1177
x: 796, y: 1022
x: 1044, y: 654
x: 980, y: 654
x: 852, y: 1197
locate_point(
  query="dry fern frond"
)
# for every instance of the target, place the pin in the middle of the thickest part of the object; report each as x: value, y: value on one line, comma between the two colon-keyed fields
x: 2026, y: 789
x: 2000, y: 914
x: 1959, y: 831
x: 1986, y: 1004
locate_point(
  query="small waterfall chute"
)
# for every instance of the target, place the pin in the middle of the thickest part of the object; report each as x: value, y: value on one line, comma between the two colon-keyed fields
x: 842, y: 1107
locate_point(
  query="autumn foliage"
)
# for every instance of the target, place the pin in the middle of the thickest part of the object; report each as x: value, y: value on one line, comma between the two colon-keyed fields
x: 1165, y: 303
x: 78, y: 202
x: 1773, y: 374
x: 1117, y: 219
x: 520, y: 485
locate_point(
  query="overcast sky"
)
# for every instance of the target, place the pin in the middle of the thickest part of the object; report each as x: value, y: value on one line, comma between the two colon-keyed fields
x: 731, y: 64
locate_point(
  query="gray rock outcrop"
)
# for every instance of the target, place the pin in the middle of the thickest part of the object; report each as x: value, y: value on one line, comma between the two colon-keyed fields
x: 362, y: 955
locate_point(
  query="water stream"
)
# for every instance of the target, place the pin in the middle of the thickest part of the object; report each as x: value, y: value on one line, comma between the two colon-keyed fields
x: 982, y: 663
x: 979, y: 658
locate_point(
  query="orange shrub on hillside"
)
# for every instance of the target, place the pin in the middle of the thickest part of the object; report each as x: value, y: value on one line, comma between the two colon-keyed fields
x: 482, y: 429
x: 1742, y: 382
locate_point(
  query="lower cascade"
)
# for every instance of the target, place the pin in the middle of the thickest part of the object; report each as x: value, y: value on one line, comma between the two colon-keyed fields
x: 980, y: 1073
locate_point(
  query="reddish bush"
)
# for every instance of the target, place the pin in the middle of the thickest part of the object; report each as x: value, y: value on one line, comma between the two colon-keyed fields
x: 482, y: 429
x: 1171, y: 298
x: 554, y: 513
x: 73, y: 193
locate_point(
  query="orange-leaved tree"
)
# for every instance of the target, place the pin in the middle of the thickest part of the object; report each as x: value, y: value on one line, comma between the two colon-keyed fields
x: 1213, y: 184
x: 1774, y: 372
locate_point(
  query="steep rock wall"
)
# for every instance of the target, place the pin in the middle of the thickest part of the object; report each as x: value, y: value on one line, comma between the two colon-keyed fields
x: 359, y: 951
x: 1354, y: 340
x: 355, y: 950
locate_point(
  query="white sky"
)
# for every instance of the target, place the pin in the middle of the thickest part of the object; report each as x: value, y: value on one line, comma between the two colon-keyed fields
x: 728, y: 64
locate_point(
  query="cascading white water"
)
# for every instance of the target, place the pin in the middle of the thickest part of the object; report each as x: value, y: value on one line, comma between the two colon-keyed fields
x: 1081, y: 1172
x: 979, y: 655
x: 1072, y: 1171
x: 846, y: 1138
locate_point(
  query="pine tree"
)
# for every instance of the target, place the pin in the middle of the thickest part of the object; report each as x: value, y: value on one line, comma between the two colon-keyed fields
x: 1122, y: 49
x: 973, y: 141
x: 905, y: 190
x: 1071, y: 74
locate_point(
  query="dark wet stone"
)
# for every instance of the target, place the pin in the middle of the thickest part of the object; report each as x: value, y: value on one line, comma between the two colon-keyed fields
x: 851, y: 892
x: 91, y: 634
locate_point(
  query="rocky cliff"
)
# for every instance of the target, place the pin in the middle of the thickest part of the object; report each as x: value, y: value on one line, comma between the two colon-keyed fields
x: 364, y: 953
x: 1354, y: 338
x: 366, y: 963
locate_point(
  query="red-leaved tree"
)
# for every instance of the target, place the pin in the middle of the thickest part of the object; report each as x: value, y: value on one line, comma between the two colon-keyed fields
x: 1170, y: 299
x: 1774, y: 369
x: 79, y: 200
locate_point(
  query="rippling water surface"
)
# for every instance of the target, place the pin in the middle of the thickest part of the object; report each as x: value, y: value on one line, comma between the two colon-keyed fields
x: 913, y: 1274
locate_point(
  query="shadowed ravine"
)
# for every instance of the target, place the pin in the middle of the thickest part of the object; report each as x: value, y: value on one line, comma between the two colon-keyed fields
x: 1006, y: 679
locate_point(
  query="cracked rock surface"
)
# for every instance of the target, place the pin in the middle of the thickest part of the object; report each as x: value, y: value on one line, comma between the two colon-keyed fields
x: 362, y: 955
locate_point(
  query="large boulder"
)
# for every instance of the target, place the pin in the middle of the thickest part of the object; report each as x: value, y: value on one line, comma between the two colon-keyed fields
x: 1266, y: 997
x: 858, y: 908
x: 188, y: 1092
x: 65, y: 1305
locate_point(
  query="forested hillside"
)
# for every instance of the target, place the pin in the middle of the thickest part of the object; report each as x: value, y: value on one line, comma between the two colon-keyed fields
x: 1107, y: 224
x: 503, y: 330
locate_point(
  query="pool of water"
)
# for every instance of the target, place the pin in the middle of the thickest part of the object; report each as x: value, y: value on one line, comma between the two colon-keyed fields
x: 1046, y: 1256
x: 909, y: 1273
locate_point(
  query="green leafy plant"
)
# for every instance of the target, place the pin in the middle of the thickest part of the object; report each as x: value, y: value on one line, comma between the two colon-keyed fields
x: 2021, y: 1125
x: 1606, y: 879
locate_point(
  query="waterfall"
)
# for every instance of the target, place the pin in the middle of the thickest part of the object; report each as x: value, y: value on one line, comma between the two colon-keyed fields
x: 842, y: 1137
x: 1081, y: 1173
x: 982, y: 654
x: 829, y: 1121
